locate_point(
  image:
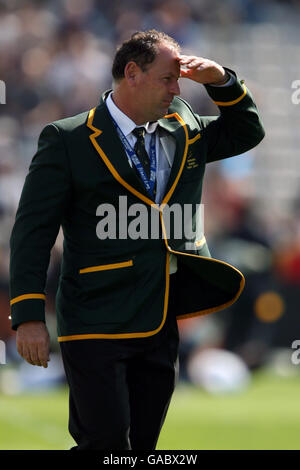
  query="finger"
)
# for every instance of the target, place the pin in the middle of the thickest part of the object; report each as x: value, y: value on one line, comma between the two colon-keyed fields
x: 186, y: 61
x: 44, y: 362
x: 34, y: 355
x: 194, y: 65
x: 43, y: 354
x: 38, y: 355
x: 27, y: 355
x: 189, y: 59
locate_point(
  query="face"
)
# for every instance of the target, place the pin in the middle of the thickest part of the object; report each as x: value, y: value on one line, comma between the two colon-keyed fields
x: 155, y: 88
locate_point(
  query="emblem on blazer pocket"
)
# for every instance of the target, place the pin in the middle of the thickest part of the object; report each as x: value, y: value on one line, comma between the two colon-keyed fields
x: 191, y: 161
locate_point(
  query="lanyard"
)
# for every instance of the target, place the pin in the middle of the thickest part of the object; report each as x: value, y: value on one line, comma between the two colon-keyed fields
x: 149, y: 183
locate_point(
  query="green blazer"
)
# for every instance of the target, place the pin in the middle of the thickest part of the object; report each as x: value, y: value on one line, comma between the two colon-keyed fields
x: 119, y: 287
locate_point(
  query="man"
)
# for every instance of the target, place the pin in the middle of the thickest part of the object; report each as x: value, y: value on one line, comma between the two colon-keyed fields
x: 119, y: 296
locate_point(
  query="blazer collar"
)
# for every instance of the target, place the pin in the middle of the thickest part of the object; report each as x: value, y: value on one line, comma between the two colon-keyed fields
x: 106, y: 142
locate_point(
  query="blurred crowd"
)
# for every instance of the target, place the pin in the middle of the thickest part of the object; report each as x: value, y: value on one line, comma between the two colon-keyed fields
x: 55, y: 60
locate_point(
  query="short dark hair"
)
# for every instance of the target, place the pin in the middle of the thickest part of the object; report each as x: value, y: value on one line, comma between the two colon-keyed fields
x: 140, y: 48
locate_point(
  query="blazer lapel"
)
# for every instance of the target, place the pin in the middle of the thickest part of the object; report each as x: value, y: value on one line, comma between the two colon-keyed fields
x: 109, y: 147
x: 176, y: 127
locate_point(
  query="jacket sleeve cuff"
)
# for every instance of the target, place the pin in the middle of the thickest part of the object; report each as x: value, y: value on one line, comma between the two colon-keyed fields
x: 227, y: 95
x: 27, y: 307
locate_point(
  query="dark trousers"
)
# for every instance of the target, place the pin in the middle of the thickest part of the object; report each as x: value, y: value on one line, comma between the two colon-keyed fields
x: 120, y: 390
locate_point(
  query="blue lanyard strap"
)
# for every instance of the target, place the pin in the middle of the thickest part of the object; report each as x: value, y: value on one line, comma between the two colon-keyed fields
x: 149, y: 183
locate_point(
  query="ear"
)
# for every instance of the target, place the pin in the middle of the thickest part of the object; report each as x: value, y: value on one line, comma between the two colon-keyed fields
x: 132, y: 72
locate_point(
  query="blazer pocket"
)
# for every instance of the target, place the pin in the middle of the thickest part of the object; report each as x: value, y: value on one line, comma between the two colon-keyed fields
x: 106, y: 292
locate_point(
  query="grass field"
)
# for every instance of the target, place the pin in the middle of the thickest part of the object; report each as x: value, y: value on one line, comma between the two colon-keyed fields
x: 265, y: 416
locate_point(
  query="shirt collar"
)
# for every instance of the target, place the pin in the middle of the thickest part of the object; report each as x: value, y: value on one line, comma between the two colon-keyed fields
x: 124, y: 122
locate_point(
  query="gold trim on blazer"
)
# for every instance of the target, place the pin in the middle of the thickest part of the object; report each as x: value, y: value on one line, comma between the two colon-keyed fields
x: 104, y: 267
x: 213, y: 309
x: 109, y: 165
x: 231, y: 103
x: 117, y: 176
x: 27, y: 297
x: 194, y: 139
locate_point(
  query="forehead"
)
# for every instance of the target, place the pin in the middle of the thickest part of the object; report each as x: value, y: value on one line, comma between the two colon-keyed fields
x: 167, y: 59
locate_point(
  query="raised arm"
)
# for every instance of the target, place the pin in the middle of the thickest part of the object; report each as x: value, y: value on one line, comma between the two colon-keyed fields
x: 238, y: 128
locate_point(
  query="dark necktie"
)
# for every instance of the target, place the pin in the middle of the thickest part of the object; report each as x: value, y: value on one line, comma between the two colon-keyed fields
x: 140, y: 150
